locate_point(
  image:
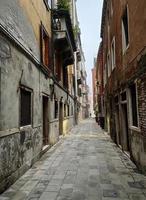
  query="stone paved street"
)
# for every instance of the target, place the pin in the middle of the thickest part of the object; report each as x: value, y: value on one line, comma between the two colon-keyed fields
x: 85, y: 165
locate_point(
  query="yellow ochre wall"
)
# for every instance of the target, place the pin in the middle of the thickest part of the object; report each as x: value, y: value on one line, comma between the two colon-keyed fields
x: 36, y: 12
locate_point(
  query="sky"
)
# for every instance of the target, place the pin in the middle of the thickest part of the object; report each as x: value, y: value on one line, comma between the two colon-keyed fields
x: 89, y: 16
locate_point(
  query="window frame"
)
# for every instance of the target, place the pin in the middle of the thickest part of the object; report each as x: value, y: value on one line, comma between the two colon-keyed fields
x: 109, y: 69
x: 111, y: 8
x: 130, y: 107
x: 125, y: 45
x: 113, y: 53
x: 105, y: 74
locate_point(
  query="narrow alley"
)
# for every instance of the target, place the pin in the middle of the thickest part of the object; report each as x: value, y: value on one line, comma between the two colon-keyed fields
x: 84, y: 165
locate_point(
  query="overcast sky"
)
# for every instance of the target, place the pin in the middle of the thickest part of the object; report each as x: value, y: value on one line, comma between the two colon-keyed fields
x: 89, y: 15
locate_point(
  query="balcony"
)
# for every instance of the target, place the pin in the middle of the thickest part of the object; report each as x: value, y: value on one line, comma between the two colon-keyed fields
x: 63, y: 35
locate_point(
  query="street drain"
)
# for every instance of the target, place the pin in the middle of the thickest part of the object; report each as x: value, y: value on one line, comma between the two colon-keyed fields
x: 110, y: 193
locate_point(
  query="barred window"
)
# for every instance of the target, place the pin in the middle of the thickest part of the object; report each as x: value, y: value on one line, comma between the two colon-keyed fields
x: 25, y: 107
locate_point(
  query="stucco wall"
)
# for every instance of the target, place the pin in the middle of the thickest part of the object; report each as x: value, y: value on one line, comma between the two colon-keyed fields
x: 21, y: 146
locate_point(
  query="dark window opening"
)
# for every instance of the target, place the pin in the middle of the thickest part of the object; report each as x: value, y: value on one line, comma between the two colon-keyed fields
x: 79, y: 92
x: 25, y: 107
x: 68, y: 110
x: 64, y: 110
x: 56, y: 109
x: 123, y: 96
x: 72, y: 109
x: 125, y: 26
x: 134, y: 105
x: 65, y: 77
x: 117, y: 99
x: 58, y: 65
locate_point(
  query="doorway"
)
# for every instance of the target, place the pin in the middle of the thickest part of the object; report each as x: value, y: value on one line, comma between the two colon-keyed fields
x: 118, y: 135
x: 60, y: 118
x: 126, y: 144
x: 45, y: 121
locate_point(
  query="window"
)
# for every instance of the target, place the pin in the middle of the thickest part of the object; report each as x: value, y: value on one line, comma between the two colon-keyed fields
x: 68, y: 110
x: 125, y: 31
x: 112, y: 8
x: 55, y: 109
x: 134, y: 110
x: 108, y: 65
x: 58, y: 64
x: 25, y: 107
x: 72, y: 110
x: 45, y: 47
x: 113, y: 57
x: 123, y: 96
x: 116, y: 99
x: 105, y: 75
x: 64, y: 110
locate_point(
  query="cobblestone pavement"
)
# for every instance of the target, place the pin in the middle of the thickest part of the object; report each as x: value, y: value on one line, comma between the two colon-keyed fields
x: 85, y: 165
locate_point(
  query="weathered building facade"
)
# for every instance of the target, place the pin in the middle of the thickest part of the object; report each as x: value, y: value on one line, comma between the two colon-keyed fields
x: 124, y: 59
x: 99, y: 108
x: 94, y: 83
x: 37, y: 90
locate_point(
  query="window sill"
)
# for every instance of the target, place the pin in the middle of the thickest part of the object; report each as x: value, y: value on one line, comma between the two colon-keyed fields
x: 54, y: 120
x: 134, y: 128
x: 25, y: 127
x: 125, y: 50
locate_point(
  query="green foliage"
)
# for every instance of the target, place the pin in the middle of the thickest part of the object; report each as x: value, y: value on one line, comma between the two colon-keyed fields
x: 76, y: 30
x: 63, y: 4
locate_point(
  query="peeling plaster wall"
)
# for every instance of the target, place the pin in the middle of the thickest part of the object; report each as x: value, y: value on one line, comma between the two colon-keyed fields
x: 20, y: 147
x: 15, y: 20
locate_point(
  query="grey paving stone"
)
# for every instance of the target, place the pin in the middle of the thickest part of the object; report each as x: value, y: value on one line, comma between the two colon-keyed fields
x: 78, y: 196
x: 137, y: 197
x: 29, y: 185
x: 52, y: 188
x: 4, y: 198
x: 85, y: 166
x: 48, y: 196
x: 56, y: 182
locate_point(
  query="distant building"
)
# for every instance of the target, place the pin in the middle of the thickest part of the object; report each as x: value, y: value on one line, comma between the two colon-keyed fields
x: 124, y: 59
x: 94, y: 82
x: 99, y: 108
